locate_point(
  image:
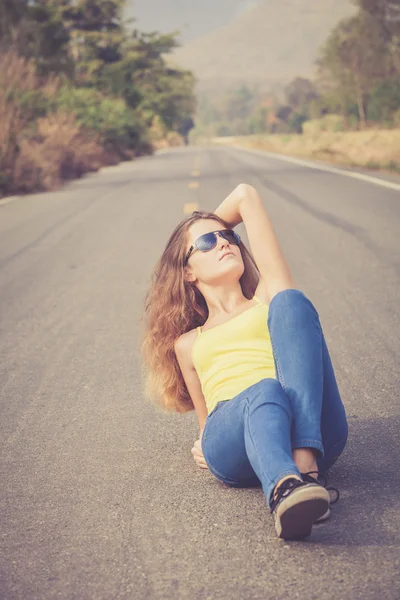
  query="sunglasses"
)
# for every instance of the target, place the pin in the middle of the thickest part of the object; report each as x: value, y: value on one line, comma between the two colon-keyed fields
x: 208, y: 241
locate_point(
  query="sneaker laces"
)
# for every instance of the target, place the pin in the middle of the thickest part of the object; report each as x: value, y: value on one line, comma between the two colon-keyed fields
x: 283, y: 490
x: 322, y: 479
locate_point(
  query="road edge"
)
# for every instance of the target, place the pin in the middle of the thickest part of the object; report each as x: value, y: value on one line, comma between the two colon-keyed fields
x: 321, y: 167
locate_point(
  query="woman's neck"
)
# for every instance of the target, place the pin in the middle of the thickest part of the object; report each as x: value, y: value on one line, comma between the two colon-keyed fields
x: 224, y: 300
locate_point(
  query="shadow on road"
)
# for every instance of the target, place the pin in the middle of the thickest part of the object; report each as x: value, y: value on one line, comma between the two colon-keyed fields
x: 367, y: 476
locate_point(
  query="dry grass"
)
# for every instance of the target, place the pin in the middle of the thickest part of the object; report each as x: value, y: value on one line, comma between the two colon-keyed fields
x: 377, y: 149
x: 59, y: 150
x: 39, y: 153
x: 17, y: 77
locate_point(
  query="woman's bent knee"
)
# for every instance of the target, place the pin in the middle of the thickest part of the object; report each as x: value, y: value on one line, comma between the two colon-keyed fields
x: 266, y: 392
x: 288, y: 298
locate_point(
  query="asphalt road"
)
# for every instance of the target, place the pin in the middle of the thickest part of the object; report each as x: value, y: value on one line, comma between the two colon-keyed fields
x: 100, y: 497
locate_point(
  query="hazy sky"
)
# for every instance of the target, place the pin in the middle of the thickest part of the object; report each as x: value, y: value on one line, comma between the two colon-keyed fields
x: 193, y: 17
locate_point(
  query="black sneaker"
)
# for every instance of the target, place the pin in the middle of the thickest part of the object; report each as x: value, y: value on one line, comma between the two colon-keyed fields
x: 298, y: 504
x: 321, y: 476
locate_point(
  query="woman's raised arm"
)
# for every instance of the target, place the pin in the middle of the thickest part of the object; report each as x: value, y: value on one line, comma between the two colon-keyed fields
x: 245, y: 205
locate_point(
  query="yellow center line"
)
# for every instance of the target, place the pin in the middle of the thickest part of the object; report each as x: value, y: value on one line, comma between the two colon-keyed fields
x: 190, y: 207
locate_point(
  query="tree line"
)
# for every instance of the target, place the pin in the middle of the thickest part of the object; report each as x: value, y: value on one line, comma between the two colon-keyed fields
x: 357, y: 78
x: 80, y: 86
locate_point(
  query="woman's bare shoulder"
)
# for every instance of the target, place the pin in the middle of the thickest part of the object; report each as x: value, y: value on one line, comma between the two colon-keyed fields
x: 185, y: 341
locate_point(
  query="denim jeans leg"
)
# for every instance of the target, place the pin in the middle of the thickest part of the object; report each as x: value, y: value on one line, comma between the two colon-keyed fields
x: 267, y: 422
x: 247, y: 439
x: 296, y: 338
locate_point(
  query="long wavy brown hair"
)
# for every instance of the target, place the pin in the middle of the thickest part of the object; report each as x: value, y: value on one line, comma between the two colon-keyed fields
x: 174, y: 306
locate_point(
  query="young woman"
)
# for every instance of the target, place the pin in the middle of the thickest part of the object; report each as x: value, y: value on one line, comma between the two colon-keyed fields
x: 229, y: 335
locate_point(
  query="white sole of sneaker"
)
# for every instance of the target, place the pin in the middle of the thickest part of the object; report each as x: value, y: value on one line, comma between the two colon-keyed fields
x: 297, y: 514
x: 324, y: 517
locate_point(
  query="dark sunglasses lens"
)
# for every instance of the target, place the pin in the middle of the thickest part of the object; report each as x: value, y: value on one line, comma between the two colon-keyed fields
x: 206, y: 242
x: 231, y: 236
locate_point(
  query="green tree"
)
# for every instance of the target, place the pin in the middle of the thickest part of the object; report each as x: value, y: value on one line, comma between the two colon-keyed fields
x: 387, y: 14
x: 12, y: 12
x: 96, y: 31
x: 120, y: 128
x: 35, y: 29
x: 146, y: 81
x: 384, y: 101
x: 120, y: 83
x: 296, y: 121
x: 299, y: 93
x: 352, y: 60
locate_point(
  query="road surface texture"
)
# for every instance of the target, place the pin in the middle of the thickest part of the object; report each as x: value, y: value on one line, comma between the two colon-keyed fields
x: 100, y: 495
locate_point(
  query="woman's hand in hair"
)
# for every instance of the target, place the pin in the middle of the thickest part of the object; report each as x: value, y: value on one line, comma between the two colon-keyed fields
x: 198, y: 455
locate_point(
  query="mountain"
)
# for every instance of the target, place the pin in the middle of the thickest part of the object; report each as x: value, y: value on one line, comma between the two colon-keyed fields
x: 192, y: 19
x: 269, y: 44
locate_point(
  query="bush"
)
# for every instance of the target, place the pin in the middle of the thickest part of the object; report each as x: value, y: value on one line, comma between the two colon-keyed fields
x: 39, y: 150
x: 174, y: 139
x: 384, y: 101
x: 158, y: 130
x: 396, y: 118
x: 58, y: 150
x: 119, y: 128
x: 18, y: 82
x: 296, y: 121
x: 326, y: 123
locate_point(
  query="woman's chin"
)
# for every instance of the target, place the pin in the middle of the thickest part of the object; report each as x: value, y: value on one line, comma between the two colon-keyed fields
x: 231, y: 270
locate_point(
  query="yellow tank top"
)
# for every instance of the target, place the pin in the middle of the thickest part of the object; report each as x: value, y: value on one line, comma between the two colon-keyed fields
x: 234, y: 355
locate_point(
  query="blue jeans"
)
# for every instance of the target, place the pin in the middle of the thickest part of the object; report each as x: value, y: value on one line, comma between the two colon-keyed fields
x: 248, y: 440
